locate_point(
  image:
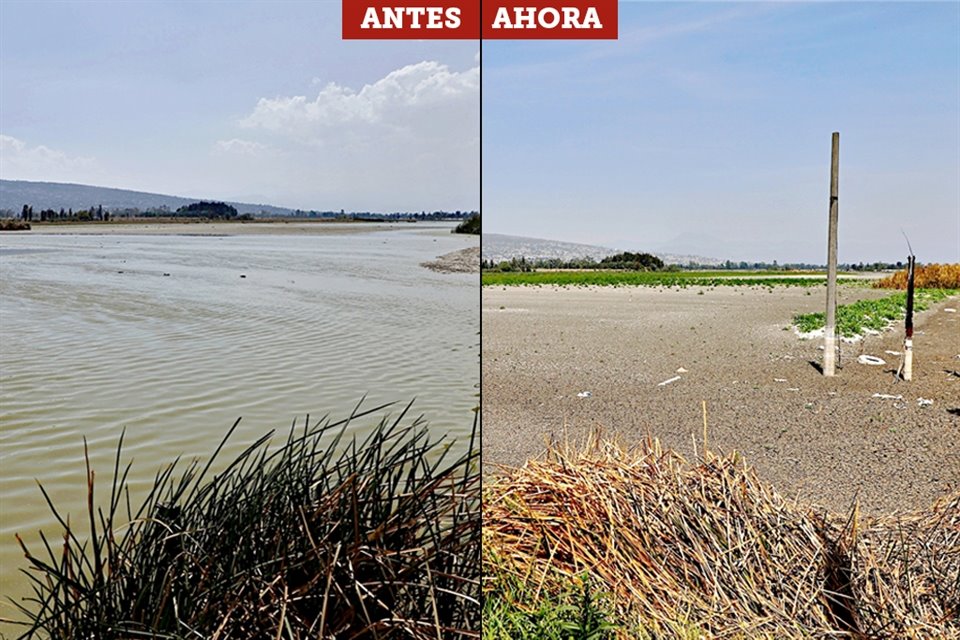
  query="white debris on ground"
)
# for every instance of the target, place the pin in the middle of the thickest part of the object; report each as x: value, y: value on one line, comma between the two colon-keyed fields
x: 584, y: 394
x: 669, y: 381
x: 886, y: 396
x: 818, y: 333
x: 873, y: 361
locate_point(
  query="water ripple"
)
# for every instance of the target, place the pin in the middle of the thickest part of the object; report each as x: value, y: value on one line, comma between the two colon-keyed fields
x: 97, y: 339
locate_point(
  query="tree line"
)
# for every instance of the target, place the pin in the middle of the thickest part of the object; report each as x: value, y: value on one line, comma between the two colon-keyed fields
x: 222, y: 211
x: 203, y: 209
x: 69, y: 215
x: 471, y: 225
x: 729, y: 265
x: 210, y: 211
x: 648, y: 262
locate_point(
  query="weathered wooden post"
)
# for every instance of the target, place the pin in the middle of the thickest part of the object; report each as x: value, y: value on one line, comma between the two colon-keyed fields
x: 830, y: 329
x: 908, y: 323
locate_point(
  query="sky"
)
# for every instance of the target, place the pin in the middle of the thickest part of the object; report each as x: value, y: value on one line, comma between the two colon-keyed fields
x: 706, y: 129
x: 250, y: 101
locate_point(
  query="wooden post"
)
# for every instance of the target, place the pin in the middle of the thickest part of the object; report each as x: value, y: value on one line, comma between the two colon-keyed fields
x: 830, y: 329
x: 908, y: 323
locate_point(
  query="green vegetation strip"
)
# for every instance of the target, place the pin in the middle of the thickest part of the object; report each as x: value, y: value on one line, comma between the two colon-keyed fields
x: 854, y: 319
x: 611, y: 278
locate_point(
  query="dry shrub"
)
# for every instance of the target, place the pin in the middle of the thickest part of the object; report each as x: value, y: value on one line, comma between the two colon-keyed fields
x: 926, y: 276
x: 707, y: 549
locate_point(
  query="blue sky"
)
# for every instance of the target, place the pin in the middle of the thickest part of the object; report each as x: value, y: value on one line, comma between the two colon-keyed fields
x: 236, y: 100
x: 706, y: 129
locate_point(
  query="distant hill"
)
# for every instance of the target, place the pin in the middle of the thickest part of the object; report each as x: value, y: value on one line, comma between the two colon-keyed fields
x: 498, y: 247
x: 56, y: 195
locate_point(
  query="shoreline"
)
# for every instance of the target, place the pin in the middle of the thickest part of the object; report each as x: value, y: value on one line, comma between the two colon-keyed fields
x: 218, y: 228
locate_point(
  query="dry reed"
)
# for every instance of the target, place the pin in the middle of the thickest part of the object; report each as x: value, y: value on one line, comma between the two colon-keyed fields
x: 706, y: 550
x: 926, y: 276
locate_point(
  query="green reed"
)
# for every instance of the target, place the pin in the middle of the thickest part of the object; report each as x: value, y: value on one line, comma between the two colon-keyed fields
x: 323, y: 537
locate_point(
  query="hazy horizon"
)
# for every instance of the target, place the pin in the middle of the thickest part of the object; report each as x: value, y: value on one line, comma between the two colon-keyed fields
x: 84, y: 201
x: 579, y: 250
x: 250, y: 102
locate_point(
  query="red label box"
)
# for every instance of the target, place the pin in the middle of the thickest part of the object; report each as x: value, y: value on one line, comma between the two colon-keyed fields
x: 466, y: 20
x: 550, y: 20
x: 411, y: 20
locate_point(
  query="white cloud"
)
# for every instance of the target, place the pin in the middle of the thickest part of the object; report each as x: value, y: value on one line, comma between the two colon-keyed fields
x: 391, y: 101
x: 20, y: 161
x: 409, y: 140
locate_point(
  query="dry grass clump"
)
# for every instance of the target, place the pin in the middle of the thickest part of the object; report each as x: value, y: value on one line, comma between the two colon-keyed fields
x: 926, y: 276
x: 13, y: 224
x: 378, y: 539
x: 906, y: 573
x: 705, y: 550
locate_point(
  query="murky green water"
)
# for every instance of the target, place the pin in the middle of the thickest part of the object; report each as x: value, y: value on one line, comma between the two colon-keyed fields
x: 97, y: 338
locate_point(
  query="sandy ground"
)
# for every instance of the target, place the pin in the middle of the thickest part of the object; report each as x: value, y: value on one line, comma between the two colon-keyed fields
x: 210, y: 228
x: 826, y: 440
x: 462, y: 261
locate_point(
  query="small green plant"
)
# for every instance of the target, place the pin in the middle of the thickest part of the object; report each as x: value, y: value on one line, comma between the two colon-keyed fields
x: 876, y: 315
x: 512, y: 610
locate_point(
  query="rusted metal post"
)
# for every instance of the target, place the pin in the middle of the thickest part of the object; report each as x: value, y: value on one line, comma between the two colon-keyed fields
x: 830, y: 328
x: 908, y: 323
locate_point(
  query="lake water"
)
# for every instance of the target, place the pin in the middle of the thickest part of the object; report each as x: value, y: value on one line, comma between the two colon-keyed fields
x: 96, y: 337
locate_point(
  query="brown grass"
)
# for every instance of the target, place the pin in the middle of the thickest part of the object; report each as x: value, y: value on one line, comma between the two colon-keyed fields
x: 13, y: 224
x: 706, y: 550
x: 929, y: 276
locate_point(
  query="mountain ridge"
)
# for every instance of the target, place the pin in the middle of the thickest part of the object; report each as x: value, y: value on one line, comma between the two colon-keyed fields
x: 69, y: 195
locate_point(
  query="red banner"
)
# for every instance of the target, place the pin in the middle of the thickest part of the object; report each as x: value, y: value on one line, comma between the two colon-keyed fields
x: 463, y: 20
x: 411, y: 20
x: 550, y: 20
